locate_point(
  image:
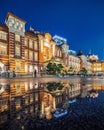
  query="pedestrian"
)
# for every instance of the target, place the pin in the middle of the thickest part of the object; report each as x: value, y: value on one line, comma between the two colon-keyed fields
x: 14, y: 75
x: 41, y: 72
x: 35, y: 73
x: 8, y: 72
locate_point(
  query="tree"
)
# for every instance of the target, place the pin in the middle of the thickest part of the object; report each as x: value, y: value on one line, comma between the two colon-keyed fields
x: 83, y: 71
x: 71, y: 70
x: 53, y: 86
x: 53, y: 68
x: 59, y: 68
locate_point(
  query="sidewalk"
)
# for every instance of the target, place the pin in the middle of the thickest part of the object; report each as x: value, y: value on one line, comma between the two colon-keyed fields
x: 29, y: 76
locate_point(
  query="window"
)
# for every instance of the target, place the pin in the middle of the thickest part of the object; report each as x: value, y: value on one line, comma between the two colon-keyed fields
x: 21, y: 25
x: 17, y: 37
x: 18, y: 65
x: 3, y: 118
x: 36, y: 56
x: 26, y: 42
x: 3, y: 35
x: 12, y: 21
x: 30, y: 43
x: 26, y: 101
x: 31, y: 98
x: 36, y: 97
x: 3, y: 48
x: 18, y: 89
x: 35, y: 45
x: 4, y: 105
x: 18, y: 104
x: 17, y: 50
x: 26, y: 54
x: 17, y: 23
x: 31, y: 109
x: 30, y: 55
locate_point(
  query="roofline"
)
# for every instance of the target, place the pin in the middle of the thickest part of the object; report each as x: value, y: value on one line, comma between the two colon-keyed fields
x: 10, y: 14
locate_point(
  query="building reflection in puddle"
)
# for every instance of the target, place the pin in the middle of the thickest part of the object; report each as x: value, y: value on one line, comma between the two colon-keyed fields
x: 39, y: 100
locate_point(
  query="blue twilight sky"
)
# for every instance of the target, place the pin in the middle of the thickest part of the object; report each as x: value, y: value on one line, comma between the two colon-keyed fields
x: 81, y: 22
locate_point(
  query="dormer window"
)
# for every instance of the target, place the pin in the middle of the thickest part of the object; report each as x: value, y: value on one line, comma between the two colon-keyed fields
x: 12, y: 21
x: 17, y: 23
x: 21, y: 25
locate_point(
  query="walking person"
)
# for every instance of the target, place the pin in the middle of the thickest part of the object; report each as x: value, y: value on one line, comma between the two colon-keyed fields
x: 8, y: 72
x: 14, y: 75
x: 35, y: 73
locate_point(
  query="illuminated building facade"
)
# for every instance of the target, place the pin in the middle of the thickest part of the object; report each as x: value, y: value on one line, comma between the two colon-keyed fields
x: 46, y: 49
x: 21, y: 50
x: 98, y: 67
x: 15, y: 44
x: 26, y: 51
x: 63, y: 45
x: 59, y: 40
x: 74, y: 62
x: 31, y: 52
x: 85, y: 63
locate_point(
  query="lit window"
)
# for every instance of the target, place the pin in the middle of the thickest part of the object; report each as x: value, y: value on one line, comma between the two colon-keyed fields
x: 4, y: 105
x: 36, y: 56
x: 35, y: 45
x: 18, y: 104
x: 21, y: 25
x: 31, y: 98
x: 3, y: 35
x: 19, y: 28
x: 30, y: 43
x: 26, y: 101
x: 3, y: 48
x: 26, y: 41
x: 26, y: 54
x: 18, y: 65
x: 17, y: 37
x: 15, y: 26
x: 17, y: 50
x: 30, y: 55
x: 36, y: 97
x: 31, y: 109
x: 17, y: 23
x: 13, y: 21
x: 18, y: 89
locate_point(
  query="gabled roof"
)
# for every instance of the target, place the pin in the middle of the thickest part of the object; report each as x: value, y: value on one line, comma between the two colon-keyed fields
x: 10, y: 14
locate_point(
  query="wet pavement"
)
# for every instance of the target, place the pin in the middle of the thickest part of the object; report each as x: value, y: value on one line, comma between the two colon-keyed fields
x: 86, y: 113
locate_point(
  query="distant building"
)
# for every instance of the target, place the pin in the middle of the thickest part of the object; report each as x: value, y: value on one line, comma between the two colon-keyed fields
x: 59, y: 40
x: 62, y: 43
x: 73, y: 63
x: 93, y: 58
x: 85, y: 63
x: 98, y: 67
x: 72, y: 52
